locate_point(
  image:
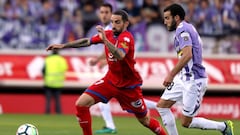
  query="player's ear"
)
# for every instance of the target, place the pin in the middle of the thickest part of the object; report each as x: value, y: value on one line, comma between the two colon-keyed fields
x: 126, y: 24
x: 177, y: 17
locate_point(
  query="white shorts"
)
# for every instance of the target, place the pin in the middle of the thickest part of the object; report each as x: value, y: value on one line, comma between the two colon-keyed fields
x: 189, y: 93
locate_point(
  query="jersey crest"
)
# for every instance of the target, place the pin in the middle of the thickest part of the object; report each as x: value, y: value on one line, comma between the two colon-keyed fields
x: 124, y: 45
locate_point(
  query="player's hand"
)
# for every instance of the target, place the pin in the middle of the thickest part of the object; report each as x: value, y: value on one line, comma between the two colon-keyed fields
x: 101, y: 32
x: 102, y: 63
x: 54, y: 46
x: 168, y: 80
x: 93, y: 62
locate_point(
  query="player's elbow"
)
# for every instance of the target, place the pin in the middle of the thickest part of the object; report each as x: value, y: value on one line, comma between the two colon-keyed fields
x: 189, y: 56
x: 121, y: 56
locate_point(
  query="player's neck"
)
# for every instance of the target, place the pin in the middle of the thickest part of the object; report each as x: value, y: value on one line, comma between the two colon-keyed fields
x: 179, y: 22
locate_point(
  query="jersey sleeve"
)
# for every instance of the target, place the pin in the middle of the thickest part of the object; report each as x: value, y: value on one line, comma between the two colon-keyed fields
x: 95, y: 39
x: 124, y: 43
x: 184, y: 39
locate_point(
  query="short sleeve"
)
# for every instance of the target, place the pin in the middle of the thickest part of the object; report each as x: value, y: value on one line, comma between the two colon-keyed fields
x: 184, y: 39
x: 95, y: 39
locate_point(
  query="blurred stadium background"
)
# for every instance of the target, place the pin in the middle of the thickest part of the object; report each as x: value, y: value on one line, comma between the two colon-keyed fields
x: 28, y: 26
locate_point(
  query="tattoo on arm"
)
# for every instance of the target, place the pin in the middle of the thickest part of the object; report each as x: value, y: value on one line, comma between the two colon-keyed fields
x: 117, y: 53
x: 84, y: 42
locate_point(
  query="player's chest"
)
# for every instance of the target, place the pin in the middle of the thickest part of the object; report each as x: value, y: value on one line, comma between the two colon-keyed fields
x: 109, y: 55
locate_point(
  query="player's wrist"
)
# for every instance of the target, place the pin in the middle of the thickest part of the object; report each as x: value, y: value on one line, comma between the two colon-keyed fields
x: 64, y: 45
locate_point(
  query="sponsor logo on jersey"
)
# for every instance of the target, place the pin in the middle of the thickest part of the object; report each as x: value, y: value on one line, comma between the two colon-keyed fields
x: 111, y: 57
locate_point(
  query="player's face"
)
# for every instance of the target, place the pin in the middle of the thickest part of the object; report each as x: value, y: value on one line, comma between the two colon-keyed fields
x: 118, y: 25
x: 169, y: 21
x: 105, y: 15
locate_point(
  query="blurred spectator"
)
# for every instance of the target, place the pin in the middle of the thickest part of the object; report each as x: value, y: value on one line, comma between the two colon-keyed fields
x: 115, y: 3
x: 89, y: 16
x: 69, y: 5
x: 218, y: 27
x: 7, y: 11
x: 36, y: 9
x: 78, y: 24
x: 133, y: 11
x: 32, y: 24
x: 205, y: 14
x: 236, y: 44
x: 49, y: 7
x: 54, y: 29
x: 67, y: 22
x: 190, y: 12
x: 164, y: 3
x: 232, y: 18
x: 139, y: 33
x: 150, y: 12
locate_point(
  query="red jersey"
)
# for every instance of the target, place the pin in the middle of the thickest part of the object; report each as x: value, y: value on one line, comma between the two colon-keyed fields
x: 121, y: 73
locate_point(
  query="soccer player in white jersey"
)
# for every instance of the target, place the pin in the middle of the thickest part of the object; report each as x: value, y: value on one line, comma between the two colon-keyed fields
x: 187, y: 81
x: 105, y: 13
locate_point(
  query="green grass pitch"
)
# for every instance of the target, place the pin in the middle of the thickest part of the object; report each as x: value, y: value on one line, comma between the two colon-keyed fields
x: 67, y: 125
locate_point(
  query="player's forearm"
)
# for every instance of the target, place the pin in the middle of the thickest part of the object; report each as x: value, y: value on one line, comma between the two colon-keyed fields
x: 84, y: 42
x: 116, y: 52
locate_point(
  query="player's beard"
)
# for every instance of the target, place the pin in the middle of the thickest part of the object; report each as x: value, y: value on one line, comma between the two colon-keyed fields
x: 116, y: 32
x: 173, y: 26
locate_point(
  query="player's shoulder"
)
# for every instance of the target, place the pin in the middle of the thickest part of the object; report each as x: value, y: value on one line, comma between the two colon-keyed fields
x: 126, y: 36
x: 183, y: 27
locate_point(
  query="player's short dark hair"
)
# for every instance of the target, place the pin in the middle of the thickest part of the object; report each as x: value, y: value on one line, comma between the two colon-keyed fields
x: 107, y: 5
x: 176, y: 9
x: 122, y: 13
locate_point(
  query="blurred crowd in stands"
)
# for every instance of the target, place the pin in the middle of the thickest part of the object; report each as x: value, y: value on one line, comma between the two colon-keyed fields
x: 34, y: 24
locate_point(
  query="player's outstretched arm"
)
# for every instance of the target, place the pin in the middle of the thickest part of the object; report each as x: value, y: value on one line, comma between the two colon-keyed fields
x: 84, y: 42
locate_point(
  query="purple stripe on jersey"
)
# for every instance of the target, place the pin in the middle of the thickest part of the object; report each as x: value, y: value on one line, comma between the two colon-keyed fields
x: 187, y: 73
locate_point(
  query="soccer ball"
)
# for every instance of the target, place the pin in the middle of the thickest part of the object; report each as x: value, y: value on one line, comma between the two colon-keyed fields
x: 27, y: 129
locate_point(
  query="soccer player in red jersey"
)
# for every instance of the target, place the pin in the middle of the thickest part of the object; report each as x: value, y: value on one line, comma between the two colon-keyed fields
x: 121, y: 81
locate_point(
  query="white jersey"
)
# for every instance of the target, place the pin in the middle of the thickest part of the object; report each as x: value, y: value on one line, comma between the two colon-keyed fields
x: 108, y: 27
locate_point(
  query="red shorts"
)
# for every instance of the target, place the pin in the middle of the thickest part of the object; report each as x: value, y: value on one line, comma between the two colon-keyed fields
x: 130, y: 100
